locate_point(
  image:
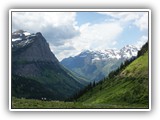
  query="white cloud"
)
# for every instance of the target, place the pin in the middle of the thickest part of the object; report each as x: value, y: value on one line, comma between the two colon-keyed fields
x: 92, y: 37
x: 67, y: 39
x: 64, y: 50
x: 97, y: 36
x: 125, y: 16
x: 140, y: 19
x: 41, y: 19
x: 142, y: 22
x: 141, y: 41
x: 55, y: 26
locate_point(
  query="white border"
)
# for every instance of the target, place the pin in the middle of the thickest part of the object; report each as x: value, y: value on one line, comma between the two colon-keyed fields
x: 74, y: 10
x: 10, y: 39
x: 150, y: 59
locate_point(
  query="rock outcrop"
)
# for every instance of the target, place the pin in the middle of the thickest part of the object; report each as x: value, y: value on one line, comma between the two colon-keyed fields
x: 33, y: 59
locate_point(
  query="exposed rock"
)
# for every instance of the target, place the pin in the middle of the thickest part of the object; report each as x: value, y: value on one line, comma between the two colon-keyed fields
x: 33, y: 59
x: 38, y: 50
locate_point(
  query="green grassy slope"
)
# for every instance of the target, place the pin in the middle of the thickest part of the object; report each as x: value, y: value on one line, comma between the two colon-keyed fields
x: 76, y: 76
x: 39, y: 104
x: 129, y: 88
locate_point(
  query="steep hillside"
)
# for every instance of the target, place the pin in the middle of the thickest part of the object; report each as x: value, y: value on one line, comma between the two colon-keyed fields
x: 130, y: 88
x: 127, y: 87
x: 119, y: 92
x: 36, y: 72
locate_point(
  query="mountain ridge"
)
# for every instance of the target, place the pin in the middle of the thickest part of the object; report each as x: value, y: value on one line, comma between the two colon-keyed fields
x: 33, y: 60
x: 95, y: 65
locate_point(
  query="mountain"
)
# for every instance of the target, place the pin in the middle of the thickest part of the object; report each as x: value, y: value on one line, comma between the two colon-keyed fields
x: 36, y: 72
x: 124, y: 88
x: 95, y: 65
x: 127, y: 87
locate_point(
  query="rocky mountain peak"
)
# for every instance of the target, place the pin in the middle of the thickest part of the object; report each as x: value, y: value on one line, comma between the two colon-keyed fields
x: 36, y: 72
x: 33, y: 47
x: 126, y: 52
x: 95, y: 65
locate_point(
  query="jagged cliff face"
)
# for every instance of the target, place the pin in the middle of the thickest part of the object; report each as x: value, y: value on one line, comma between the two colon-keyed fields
x: 33, y: 59
x: 38, y: 49
x: 28, y: 51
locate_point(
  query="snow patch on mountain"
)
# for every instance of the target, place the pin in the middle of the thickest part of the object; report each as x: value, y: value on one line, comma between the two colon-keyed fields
x: 126, y: 52
x: 16, y: 39
x: 129, y: 51
x: 20, y: 35
x: 22, y: 38
x: 27, y: 33
x: 95, y: 65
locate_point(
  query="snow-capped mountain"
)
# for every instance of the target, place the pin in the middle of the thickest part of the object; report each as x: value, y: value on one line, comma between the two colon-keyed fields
x: 126, y: 52
x: 22, y: 38
x: 95, y: 65
x: 129, y: 51
x: 19, y: 35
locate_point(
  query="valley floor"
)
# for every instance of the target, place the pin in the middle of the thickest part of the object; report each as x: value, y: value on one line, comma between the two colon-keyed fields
x: 39, y: 104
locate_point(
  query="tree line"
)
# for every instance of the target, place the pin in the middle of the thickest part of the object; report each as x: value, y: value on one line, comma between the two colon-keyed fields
x: 112, y: 74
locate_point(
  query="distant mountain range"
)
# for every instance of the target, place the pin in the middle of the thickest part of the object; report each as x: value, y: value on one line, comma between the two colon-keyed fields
x: 127, y: 87
x: 36, y: 72
x: 95, y: 65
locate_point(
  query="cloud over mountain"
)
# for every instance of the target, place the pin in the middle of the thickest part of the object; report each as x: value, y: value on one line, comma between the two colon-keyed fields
x: 56, y: 26
x: 67, y: 37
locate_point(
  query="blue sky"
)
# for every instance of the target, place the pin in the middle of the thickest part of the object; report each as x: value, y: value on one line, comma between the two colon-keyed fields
x: 89, y: 17
x: 130, y: 34
x: 69, y: 33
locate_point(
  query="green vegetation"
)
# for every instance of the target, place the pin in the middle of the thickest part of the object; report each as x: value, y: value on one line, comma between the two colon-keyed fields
x: 39, y: 104
x: 76, y: 76
x: 27, y: 88
x: 126, y: 87
x: 129, y: 87
x: 32, y: 103
x: 138, y: 68
x: 49, y: 81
